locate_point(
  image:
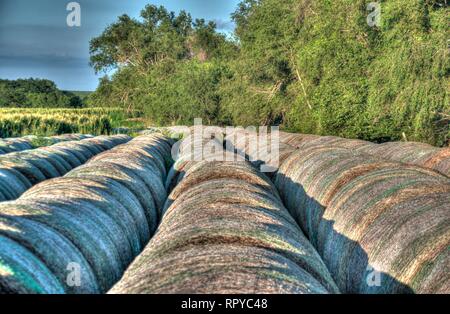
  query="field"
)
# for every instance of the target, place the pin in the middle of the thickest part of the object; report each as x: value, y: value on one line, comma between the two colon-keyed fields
x: 15, y: 122
x: 116, y: 214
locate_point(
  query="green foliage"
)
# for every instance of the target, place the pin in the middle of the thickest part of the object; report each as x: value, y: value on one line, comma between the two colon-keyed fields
x: 313, y: 66
x: 36, y: 93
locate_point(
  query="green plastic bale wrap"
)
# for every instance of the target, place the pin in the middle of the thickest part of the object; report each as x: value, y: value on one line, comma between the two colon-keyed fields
x: 71, y: 158
x: 26, y: 168
x: 12, y: 183
x: 225, y: 230
x: 61, y: 166
x: 84, y: 226
x: 53, y: 249
x: 124, y: 231
x: 39, y: 164
x: 22, y: 272
x: 92, y: 216
x: 348, y: 202
x: 123, y: 175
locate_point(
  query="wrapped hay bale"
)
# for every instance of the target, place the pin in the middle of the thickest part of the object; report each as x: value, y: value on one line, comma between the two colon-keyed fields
x: 190, y: 151
x: 296, y: 139
x: 264, y: 151
x: 95, y: 216
x: 70, y: 157
x: 31, y: 141
x: 61, y: 166
x: 123, y: 229
x: 50, y: 247
x: 146, y: 172
x: 19, y: 144
x: 22, y: 272
x: 92, y: 217
x: 12, y: 184
x: 81, y: 150
x: 403, y: 233
x: 419, y: 154
x: 82, y: 227
x: 4, y: 147
x: 368, y: 217
x: 414, y: 153
x: 26, y: 168
x: 128, y: 178
x: 225, y: 230
x: 54, y: 161
x: 44, y: 165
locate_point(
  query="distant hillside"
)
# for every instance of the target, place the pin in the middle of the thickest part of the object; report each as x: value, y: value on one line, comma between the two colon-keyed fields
x: 36, y: 93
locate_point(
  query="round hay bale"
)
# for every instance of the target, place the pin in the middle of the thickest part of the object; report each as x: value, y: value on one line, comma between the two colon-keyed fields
x: 22, y: 272
x: 296, y: 139
x: 440, y: 161
x: 341, y: 200
x: 92, y: 145
x: 71, y: 158
x: 61, y: 166
x: 19, y: 144
x: 82, y: 225
x: 42, y: 164
x: 54, y: 250
x: 217, y: 269
x: 31, y: 172
x: 114, y: 217
x: 79, y: 149
x: 144, y: 171
x: 217, y: 212
x: 402, y: 231
x: 126, y: 177
x: 131, y: 203
x: 12, y: 183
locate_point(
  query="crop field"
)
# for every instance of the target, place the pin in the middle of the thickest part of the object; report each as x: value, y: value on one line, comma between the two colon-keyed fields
x: 123, y: 215
x: 16, y: 122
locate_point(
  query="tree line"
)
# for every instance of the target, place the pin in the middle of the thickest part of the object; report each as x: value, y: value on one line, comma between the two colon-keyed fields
x: 36, y: 93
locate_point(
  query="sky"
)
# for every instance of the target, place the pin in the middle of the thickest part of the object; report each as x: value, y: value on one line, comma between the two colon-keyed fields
x: 35, y: 40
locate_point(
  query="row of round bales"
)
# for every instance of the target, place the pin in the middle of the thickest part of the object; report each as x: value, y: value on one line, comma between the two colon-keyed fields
x: 216, y: 144
x: 191, y: 150
x: 264, y: 150
x: 78, y: 233
x: 21, y: 170
x: 380, y: 226
x: 225, y: 230
x: 420, y: 154
x: 9, y: 145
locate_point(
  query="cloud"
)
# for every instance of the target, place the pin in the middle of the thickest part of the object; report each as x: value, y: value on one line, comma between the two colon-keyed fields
x: 35, y: 40
x: 223, y: 25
